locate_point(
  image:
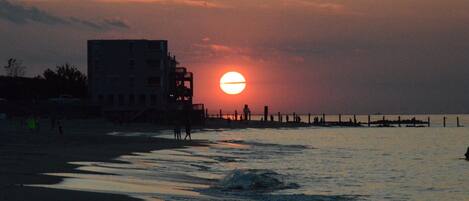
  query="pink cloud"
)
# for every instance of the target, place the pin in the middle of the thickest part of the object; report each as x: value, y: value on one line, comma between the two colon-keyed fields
x: 191, y: 3
x: 221, y: 48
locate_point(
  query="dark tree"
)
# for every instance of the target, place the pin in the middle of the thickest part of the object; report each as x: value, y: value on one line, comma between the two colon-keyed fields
x: 14, y: 68
x: 66, y: 79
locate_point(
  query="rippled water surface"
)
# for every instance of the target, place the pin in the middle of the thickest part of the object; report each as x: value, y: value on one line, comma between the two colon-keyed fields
x: 294, y: 164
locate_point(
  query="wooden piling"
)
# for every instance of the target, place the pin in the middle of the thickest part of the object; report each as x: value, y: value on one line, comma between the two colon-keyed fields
x: 369, y: 121
x: 384, y: 120
x: 206, y: 113
x: 266, y: 112
x: 457, y: 122
x: 309, y: 118
x: 236, y: 115
x: 355, y: 119
x: 340, y: 118
x: 428, y: 121
x: 324, y: 118
x: 444, y: 121
x: 279, y: 117
x: 221, y: 117
x: 399, y: 121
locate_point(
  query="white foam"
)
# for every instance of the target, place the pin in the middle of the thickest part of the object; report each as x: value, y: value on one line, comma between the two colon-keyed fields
x: 253, y: 180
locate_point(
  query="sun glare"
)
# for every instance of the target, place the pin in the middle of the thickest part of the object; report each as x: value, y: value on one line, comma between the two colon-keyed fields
x: 232, y: 83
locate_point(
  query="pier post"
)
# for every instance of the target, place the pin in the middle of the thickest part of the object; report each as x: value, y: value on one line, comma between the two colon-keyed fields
x: 414, y: 121
x: 294, y: 117
x: 309, y: 118
x: 221, y: 117
x: 340, y: 119
x: 236, y: 115
x: 206, y: 113
x: 323, y: 118
x: 279, y: 117
x: 457, y: 122
x: 428, y: 121
x: 355, y: 119
x: 444, y: 121
x: 286, y: 118
x: 266, y: 112
x: 369, y: 121
x: 384, y: 120
x: 399, y: 121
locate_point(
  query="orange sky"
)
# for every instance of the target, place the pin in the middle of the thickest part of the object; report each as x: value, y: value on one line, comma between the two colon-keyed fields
x: 364, y: 56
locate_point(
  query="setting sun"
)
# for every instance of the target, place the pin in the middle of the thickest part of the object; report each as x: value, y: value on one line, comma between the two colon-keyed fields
x: 232, y: 83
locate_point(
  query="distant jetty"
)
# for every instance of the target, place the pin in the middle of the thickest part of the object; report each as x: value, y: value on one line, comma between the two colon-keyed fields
x: 278, y: 120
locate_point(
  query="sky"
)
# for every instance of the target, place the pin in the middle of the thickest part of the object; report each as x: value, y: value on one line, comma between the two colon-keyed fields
x: 318, y: 56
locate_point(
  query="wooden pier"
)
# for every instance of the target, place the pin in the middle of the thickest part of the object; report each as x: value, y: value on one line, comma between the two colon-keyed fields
x: 323, y: 120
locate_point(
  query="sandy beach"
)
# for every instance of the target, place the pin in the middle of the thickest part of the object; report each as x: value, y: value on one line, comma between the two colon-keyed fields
x: 26, y: 155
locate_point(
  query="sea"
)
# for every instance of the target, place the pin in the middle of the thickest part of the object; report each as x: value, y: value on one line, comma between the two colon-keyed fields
x: 287, y: 164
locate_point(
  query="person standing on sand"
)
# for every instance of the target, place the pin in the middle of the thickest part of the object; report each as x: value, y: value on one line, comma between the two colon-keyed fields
x: 177, y: 130
x: 31, y: 123
x: 59, y: 127
x: 188, y: 128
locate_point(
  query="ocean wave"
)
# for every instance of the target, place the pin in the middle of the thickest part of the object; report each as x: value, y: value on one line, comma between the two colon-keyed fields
x: 253, y: 180
x: 251, y: 143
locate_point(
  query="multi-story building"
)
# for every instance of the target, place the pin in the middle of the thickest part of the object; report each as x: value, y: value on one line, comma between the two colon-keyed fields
x: 135, y: 76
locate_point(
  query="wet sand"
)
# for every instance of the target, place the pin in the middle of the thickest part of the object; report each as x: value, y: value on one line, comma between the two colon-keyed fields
x: 25, y: 156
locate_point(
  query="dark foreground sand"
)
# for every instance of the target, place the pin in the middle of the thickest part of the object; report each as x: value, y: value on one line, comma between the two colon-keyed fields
x: 25, y: 156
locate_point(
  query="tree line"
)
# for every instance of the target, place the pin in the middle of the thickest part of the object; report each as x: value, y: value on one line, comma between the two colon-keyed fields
x: 64, y: 79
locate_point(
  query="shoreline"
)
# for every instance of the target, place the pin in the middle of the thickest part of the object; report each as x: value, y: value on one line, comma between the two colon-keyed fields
x: 26, y: 156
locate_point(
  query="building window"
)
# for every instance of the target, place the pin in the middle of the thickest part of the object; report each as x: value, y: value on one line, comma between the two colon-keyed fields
x: 96, y: 64
x: 96, y: 48
x: 153, y: 99
x: 114, y: 82
x: 154, y: 81
x: 131, y: 99
x: 100, y: 99
x: 131, y: 82
x: 120, y: 99
x: 142, y: 99
x: 110, y: 100
x: 154, y: 63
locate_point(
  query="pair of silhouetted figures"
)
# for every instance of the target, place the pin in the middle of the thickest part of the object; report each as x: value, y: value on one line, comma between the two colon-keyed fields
x: 177, y: 130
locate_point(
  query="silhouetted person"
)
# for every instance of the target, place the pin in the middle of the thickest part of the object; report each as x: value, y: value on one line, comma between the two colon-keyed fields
x: 247, y: 113
x: 31, y: 123
x: 36, y: 122
x: 177, y: 130
x: 59, y: 127
x: 188, y: 128
x: 467, y: 154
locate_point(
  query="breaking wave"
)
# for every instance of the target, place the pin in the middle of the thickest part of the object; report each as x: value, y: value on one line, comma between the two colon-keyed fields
x: 251, y: 143
x: 254, y: 180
